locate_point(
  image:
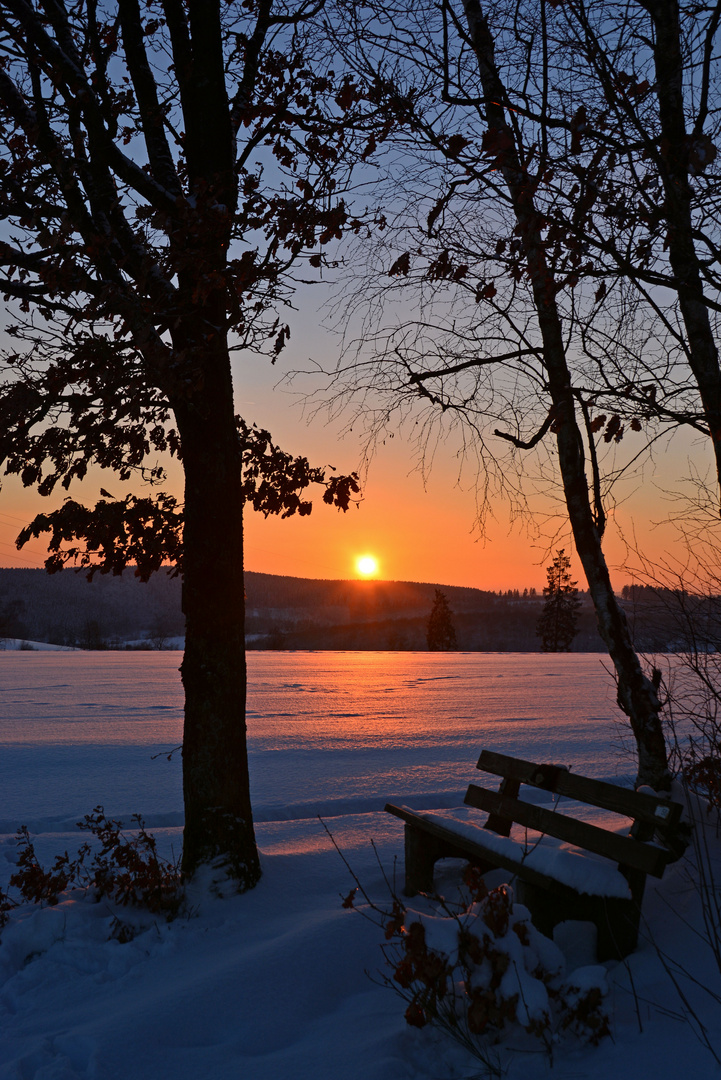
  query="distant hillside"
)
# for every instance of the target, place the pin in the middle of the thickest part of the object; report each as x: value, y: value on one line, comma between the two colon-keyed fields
x: 67, y: 609
x: 282, y: 612
x: 300, y: 613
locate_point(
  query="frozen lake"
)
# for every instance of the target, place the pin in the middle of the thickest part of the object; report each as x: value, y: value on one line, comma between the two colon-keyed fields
x: 331, y: 733
x: 338, y: 733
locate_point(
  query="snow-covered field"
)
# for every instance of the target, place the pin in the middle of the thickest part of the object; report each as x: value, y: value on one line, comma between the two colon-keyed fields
x: 272, y: 985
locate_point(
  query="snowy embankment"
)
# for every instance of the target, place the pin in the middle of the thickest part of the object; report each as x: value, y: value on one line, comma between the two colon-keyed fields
x: 22, y: 645
x: 272, y: 985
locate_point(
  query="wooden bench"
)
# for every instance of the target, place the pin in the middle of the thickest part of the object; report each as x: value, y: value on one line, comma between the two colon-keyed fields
x: 555, y: 884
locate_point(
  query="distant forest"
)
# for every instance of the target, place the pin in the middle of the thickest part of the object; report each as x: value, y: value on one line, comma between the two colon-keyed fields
x: 302, y: 613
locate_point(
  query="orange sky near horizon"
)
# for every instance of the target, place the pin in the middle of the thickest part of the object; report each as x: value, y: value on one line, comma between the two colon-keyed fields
x: 415, y: 535
x: 417, y: 531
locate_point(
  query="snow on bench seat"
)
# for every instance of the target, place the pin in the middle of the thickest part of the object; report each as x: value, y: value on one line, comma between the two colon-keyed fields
x: 581, y: 871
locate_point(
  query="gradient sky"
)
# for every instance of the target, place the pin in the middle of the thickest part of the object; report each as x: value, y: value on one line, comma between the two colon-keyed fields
x: 418, y: 531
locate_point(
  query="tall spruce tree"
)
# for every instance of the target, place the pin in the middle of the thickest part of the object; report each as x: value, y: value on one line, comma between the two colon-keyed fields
x: 557, y: 625
x: 441, y: 634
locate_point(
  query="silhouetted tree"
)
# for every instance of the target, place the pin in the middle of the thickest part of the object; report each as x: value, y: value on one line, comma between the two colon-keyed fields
x: 557, y: 623
x: 11, y: 622
x: 93, y: 636
x: 509, y: 271
x: 164, y: 165
x: 441, y: 634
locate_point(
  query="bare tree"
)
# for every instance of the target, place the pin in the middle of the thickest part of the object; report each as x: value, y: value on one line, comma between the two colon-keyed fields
x: 511, y: 334
x: 645, y: 179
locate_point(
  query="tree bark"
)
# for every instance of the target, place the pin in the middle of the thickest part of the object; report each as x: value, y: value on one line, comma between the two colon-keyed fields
x: 216, y: 788
x: 216, y: 785
x: 676, y: 146
x: 636, y: 694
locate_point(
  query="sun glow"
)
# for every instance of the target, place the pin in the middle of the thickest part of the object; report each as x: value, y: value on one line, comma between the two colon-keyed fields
x: 366, y: 565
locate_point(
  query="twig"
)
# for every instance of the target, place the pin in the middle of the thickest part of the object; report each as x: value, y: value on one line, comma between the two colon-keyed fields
x: 371, y: 904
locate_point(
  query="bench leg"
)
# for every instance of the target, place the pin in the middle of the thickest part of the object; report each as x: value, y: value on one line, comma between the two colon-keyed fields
x: 618, y: 928
x: 422, y: 851
x: 616, y: 919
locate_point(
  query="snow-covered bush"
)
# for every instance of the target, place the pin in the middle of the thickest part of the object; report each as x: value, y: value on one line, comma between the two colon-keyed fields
x: 486, y: 969
x: 480, y: 971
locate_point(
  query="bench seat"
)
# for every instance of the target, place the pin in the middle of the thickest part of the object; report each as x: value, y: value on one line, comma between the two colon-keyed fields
x: 572, y: 867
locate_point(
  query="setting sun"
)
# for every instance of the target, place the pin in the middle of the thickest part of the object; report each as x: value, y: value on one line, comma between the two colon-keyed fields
x: 367, y: 565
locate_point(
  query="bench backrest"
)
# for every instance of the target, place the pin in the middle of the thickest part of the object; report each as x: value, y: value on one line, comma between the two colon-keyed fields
x: 648, y: 812
x: 637, y: 805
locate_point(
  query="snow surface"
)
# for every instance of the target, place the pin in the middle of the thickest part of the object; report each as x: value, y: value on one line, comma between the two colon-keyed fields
x: 273, y: 985
x: 33, y: 646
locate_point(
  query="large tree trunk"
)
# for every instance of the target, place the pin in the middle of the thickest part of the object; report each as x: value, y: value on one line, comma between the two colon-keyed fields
x: 636, y: 693
x: 676, y: 145
x: 218, y: 817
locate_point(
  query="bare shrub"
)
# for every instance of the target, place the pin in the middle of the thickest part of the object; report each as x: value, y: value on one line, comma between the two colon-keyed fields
x: 127, y: 868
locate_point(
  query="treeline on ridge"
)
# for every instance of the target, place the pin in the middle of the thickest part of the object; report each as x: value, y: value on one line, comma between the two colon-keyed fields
x: 306, y: 613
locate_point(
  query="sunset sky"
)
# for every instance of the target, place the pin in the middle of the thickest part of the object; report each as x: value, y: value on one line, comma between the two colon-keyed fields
x: 416, y: 530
